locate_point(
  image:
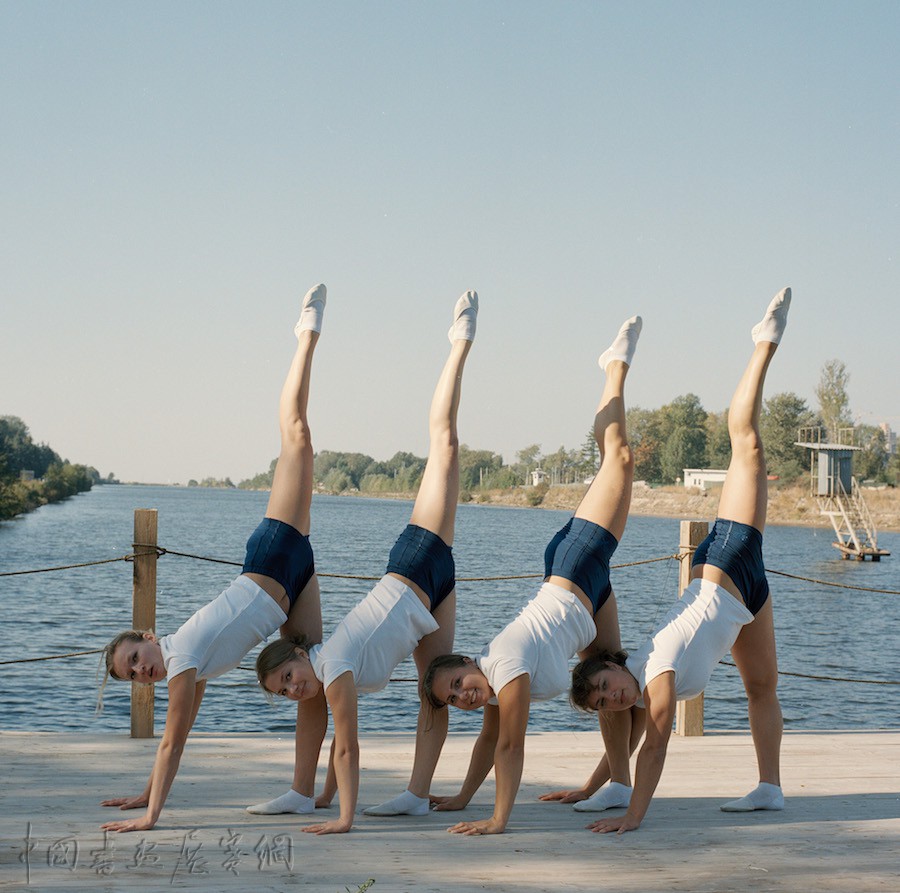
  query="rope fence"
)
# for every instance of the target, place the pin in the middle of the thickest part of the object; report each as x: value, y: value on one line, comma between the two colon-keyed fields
x: 160, y: 551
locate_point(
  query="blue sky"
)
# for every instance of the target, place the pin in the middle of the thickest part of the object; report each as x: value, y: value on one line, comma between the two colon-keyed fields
x: 175, y: 176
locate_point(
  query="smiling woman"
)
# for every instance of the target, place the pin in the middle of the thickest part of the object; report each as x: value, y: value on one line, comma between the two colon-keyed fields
x: 727, y: 605
x: 410, y: 611
x: 573, y: 612
x: 277, y: 588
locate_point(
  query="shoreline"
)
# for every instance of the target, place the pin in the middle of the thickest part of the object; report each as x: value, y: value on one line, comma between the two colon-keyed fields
x: 788, y: 506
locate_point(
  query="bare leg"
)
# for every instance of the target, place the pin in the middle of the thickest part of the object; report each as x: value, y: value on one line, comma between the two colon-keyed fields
x: 754, y: 654
x: 744, y: 498
x: 745, y: 491
x: 435, y: 506
x: 606, y: 503
x: 292, y: 483
x: 435, y: 510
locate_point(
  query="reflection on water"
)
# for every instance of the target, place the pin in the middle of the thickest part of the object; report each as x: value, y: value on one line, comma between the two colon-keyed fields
x: 821, y: 630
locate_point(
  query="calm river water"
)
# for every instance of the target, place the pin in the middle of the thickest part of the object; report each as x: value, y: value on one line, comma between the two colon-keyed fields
x: 821, y: 630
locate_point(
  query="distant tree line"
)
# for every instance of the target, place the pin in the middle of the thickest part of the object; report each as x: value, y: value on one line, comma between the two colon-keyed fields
x: 679, y: 435
x: 32, y: 474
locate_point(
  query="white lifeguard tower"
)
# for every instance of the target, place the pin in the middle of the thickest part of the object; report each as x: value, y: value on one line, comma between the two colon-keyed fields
x: 837, y: 492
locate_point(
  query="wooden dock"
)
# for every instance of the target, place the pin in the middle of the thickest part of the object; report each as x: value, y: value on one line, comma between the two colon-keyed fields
x: 839, y: 832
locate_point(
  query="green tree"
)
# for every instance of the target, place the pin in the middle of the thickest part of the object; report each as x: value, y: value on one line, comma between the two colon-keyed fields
x: 20, y: 453
x: 556, y: 465
x: 475, y: 465
x: 871, y: 463
x: 834, y: 402
x: 782, y: 417
x: 643, y: 427
x: 337, y: 481
x: 718, y: 443
x: 683, y: 436
x: 589, y: 456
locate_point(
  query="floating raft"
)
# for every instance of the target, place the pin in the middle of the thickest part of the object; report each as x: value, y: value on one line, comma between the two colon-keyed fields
x: 850, y: 551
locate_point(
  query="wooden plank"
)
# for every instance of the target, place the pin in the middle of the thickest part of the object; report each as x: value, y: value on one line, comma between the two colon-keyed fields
x: 689, y: 714
x: 143, y: 612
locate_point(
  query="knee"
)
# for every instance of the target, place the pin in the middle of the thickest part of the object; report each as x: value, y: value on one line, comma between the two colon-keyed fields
x: 296, y: 436
x: 762, y: 686
x: 746, y: 442
x: 622, y: 456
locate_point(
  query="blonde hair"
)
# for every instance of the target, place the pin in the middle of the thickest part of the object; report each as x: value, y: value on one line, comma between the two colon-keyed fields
x: 105, y: 670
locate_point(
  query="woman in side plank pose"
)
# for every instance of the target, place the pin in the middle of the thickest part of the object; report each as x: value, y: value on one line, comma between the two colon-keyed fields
x: 727, y: 605
x: 411, y: 610
x: 277, y: 588
x: 574, y: 612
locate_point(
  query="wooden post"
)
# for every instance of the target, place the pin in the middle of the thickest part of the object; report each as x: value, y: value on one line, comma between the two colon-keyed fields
x: 143, y: 614
x: 689, y: 714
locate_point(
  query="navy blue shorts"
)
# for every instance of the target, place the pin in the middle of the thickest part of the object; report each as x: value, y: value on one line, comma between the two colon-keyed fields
x: 423, y: 557
x: 580, y: 553
x: 736, y: 549
x: 279, y: 551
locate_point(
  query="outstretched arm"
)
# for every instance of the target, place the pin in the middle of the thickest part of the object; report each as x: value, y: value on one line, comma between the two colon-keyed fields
x: 481, y: 763
x: 514, y: 702
x: 342, y: 699
x: 330, y: 787
x: 659, y: 699
x: 185, y: 695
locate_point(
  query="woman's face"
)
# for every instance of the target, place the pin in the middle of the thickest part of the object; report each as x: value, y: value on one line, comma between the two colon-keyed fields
x: 139, y: 661
x: 465, y: 687
x: 295, y: 679
x: 614, y: 688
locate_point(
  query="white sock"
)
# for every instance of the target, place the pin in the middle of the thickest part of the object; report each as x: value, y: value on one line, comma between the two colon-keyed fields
x: 613, y: 795
x: 405, y: 804
x: 772, y: 325
x: 312, y: 310
x: 764, y: 796
x: 624, y: 344
x: 464, y: 315
x: 289, y: 802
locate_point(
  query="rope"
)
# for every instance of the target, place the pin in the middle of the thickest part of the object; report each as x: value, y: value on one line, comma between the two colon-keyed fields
x: 827, y: 583
x: 31, y: 660
x: 159, y: 551
x: 66, y: 567
x: 726, y: 663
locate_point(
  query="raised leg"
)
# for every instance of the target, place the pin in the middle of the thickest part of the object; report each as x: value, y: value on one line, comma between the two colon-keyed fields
x: 435, y: 505
x: 435, y: 510
x: 744, y: 497
x: 292, y: 482
x: 606, y: 503
x: 745, y: 491
x: 608, y: 498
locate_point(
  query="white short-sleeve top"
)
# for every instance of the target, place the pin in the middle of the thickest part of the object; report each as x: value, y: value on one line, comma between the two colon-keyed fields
x: 551, y: 628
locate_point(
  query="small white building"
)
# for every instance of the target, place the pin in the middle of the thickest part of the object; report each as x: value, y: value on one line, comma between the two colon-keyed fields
x: 701, y: 478
x: 538, y: 476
